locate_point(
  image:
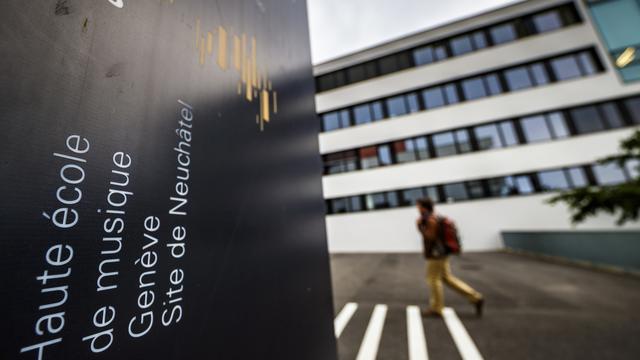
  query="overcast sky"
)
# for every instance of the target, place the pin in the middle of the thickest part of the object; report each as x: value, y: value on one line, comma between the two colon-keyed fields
x: 339, y: 27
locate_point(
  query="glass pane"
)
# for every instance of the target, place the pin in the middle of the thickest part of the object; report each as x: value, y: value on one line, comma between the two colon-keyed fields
x: 370, y: 70
x: 493, y: 83
x: 558, y: 125
x: 326, y: 82
x: 356, y: 73
x: 586, y: 61
x: 503, y: 33
x: 433, y: 97
x: 452, y: 93
x: 440, y: 52
x: 444, y: 144
x: 453, y: 192
x: 345, y: 118
x: 396, y: 106
x: 547, y: 21
x: 535, y: 128
x: 473, y: 88
x: 553, y: 180
x: 384, y: 155
x: 392, y: 199
x: 376, y: 201
x: 423, y: 55
x: 376, y: 110
x: 412, y: 101
x: 633, y: 168
x: 539, y: 72
x: 633, y: 106
x: 577, y: 177
x: 608, y: 174
x: 432, y: 193
x: 475, y: 189
x: 340, y: 78
x: 586, y: 119
x: 565, y: 67
x: 330, y: 121
x: 368, y: 157
x: 524, y: 185
x: 461, y: 45
x: 338, y: 206
x: 355, y: 204
x: 411, y: 196
x: 503, y: 186
x: 388, y: 64
x: 464, y: 144
x: 362, y: 114
x: 422, y: 147
x: 479, y: 39
x: 508, y: 133
x: 518, y: 78
x: 404, y: 150
x: 612, y: 115
x: 487, y: 137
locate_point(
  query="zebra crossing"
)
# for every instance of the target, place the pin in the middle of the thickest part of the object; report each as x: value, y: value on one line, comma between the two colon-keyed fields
x: 417, y: 348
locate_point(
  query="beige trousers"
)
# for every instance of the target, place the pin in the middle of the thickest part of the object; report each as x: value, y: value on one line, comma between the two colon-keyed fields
x: 438, y: 270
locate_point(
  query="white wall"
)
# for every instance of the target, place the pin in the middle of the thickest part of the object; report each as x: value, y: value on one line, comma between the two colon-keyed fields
x: 479, y: 222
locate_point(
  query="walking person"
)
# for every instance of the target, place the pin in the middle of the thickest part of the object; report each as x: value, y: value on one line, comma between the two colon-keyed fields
x: 436, y: 250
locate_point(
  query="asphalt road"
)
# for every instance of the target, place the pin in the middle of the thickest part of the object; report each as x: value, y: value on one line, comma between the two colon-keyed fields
x: 534, y: 309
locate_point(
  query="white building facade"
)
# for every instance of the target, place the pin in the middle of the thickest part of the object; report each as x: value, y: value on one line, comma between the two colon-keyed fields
x: 489, y: 116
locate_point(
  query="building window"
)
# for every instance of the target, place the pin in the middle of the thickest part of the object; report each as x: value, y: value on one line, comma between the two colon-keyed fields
x: 535, y: 128
x: 461, y: 45
x: 518, y: 78
x: 503, y: 33
x: 633, y: 168
x: 577, y: 177
x: 586, y: 119
x: 553, y: 180
x: 502, y: 186
x: 493, y: 84
x: 444, y: 144
x: 336, y: 120
x: 405, y: 150
x: 339, y: 206
x: 479, y: 39
x: 362, y: 114
x: 464, y: 144
x: 423, y: 55
x: 608, y: 174
x: 455, y: 192
x: 376, y: 111
x: 423, y: 147
x: 487, y: 137
x: 508, y: 133
x: 396, y: 106
x: 475, y: 189
x: 473, y: 88
x: 565, y: 67
x: 558, y: 125
x: 384, y: 155
x: 433, y: 97
x: 411, y: 196
x: 612, y: 115
x: 547, y: 21
x: 452, y: 93
x: 412, y: 102
x: 524, y: 185
x: 368, y: 157
x: 633, y: 107
x: 340, y: 162
x: 539, y: 74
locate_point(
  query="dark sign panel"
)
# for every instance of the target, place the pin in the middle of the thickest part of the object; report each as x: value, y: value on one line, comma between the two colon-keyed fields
x: 160, y: 182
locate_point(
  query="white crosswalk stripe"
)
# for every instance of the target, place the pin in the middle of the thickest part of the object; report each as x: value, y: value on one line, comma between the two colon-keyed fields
x: 464, y: 343
x: 369, y: 347
x: 416, y: 339
x: 343, y: 317
x: 415, y: 331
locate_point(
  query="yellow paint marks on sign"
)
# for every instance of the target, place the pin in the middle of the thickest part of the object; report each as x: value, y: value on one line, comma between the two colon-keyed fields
x: 222, y: 48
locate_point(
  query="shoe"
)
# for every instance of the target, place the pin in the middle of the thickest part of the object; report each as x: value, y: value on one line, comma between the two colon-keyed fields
x: 479, y: 305
x: 430, y: 313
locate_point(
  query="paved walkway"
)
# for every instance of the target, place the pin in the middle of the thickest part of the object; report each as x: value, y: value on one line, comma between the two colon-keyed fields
x: 534, y: 310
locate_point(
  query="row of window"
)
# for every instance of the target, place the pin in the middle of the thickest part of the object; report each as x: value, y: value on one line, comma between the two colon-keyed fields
x: 503, y: 186
x: 559, y: 68
x: 504, y: 133
x: 528, y: 25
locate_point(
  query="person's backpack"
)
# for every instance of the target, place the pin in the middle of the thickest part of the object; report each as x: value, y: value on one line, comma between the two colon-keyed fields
x: 449, y: 235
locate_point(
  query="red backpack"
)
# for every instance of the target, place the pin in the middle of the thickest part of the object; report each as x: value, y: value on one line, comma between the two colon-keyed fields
x: 449, y: 235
